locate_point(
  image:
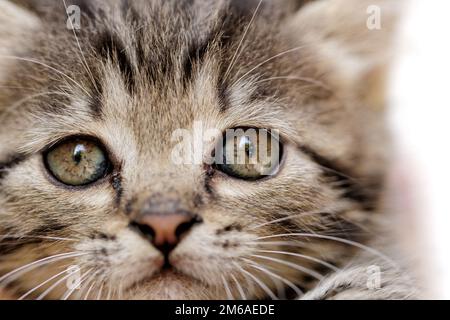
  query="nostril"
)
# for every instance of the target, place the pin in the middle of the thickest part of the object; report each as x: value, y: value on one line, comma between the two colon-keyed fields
x: 186, y: 226
x: 144, y: 229
x: 165, y: 231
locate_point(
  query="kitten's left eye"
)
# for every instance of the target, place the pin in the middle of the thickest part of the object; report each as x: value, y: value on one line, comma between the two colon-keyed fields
x: 250, y: 155
x: 77, y: 162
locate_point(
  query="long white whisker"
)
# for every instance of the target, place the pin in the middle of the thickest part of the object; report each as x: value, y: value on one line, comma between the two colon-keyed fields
x: 71, y: 291
x: 82, y: 58
x: 108, y: 295
x: 345, y: 241
x: 17, y: 87
x: 227, y: 289
x: 95, y: 282
x: 18, y: 237
x: 92, y: 280
x: 53, y: 286
x: 310, y: 272
x: 258, y: 281
x: 15, y: 105
x: 281, y: 290
x: 238, y: 50
x: 42, y: 284
x: 303, y: 79
x: 50, y: 68
x: 301, y: 214
x: 267, y: 61
x: 100, y: 291
x: 291, y: 285
x: 120, y: 290
x: 89, y: 290
x: 324, y: 263
x: 279, y: 243
x: 239, y: 287
x: 35, y: 264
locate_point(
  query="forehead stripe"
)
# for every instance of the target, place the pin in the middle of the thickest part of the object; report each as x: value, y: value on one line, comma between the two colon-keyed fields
x: 111, y: 48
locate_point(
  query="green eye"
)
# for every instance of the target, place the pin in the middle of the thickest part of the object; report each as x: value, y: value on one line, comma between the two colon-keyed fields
x: 77, y: 162
x: 251, y: 154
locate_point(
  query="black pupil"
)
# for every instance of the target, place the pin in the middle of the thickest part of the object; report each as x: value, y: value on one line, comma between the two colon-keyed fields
x: 248, y: 148
x: 78, y: 153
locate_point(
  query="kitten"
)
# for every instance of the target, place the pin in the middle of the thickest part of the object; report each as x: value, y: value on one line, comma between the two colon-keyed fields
x: 92, y: 202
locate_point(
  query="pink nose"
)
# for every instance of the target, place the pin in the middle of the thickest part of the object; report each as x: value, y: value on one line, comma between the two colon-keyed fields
x: 165, y: 230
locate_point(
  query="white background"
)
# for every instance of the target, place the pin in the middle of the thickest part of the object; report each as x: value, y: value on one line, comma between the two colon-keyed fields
x: 420, y: 94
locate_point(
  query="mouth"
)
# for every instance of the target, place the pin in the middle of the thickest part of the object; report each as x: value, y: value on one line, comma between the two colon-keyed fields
x: 170, y: 273
x: 168, y: 283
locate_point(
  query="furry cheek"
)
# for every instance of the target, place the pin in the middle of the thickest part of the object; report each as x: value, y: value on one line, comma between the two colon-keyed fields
x: 120, y: 261
x: 217, y: 257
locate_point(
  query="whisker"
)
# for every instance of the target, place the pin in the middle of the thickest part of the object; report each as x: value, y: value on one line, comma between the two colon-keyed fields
x: 50, y: 68
x: 10, y: 276
x: 100, y: 291
x: 89, y: 290
x: 15, y: 105
x: 344, y: 241
x: 82, y: 57
x: 92, y: 280
x: 17, y: 88
x: 291, y: 285
x: 300, y: 268
x: 267, y: 61
x: 227, y: 289
x: 306, y: 257
x: 109, y: 294
x: 287, y: 218
x: 280, y: 287
x: 53, y: 286
x: 120, y: 290
x: 279, y: 243
x: 18, y: 237
x: 239, y: 287
x: 238, y: 50
x: 303, y: 79
x: 68, y: 293
x: 258, y: 281
x: 43, y: 283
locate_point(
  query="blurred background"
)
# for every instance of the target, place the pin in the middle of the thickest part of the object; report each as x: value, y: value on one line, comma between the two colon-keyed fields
x: 420, y: 118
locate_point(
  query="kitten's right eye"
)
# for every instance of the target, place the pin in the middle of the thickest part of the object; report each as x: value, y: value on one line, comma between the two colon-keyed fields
x: 250, y: 155
x: 77, y: 162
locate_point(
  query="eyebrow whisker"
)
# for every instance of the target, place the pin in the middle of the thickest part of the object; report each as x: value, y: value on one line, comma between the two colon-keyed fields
x: 30, y: 60
x: 82, y: 57
x: 239, y: 48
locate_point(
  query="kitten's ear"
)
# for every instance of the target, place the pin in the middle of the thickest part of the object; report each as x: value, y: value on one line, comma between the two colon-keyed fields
x: 17, y: 25
x: 31, y: 6
x: 353, y: 38
x: 47, y: 7
x: 272, y: 9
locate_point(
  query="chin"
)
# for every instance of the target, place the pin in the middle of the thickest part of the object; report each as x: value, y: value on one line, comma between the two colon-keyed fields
x: 171, y: 285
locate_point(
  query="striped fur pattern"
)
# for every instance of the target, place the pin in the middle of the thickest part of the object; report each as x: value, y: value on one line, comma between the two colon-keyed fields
x: 137, y: 71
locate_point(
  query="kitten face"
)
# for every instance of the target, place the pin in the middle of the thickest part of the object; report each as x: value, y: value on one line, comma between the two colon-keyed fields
x: 146, y: 70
